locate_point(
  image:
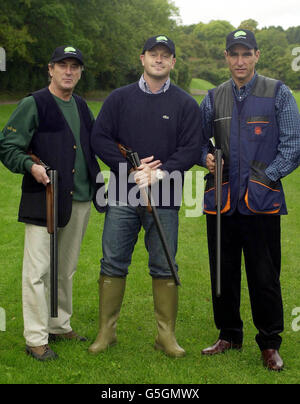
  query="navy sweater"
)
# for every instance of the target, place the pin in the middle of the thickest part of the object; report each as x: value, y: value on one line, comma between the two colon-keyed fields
x: 165, y: 125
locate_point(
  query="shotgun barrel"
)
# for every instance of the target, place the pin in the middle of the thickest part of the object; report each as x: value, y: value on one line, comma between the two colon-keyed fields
x: 52, y: 217
x: 133, y: 158
x: 218, y: 197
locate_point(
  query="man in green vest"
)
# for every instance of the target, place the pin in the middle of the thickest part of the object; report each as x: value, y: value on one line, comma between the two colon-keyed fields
x: 55, y: 125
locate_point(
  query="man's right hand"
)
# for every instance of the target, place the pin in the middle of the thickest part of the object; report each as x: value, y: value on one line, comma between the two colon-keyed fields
x: 39, y: 173
x: 211, y: 163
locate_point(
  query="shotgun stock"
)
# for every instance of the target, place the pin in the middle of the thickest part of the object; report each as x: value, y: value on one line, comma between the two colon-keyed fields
x: 52, y: 217
x: 133, y: 158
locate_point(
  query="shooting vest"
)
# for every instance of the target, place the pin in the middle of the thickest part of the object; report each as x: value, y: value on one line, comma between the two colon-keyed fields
x: 55, y: 145
x: 248, y: 134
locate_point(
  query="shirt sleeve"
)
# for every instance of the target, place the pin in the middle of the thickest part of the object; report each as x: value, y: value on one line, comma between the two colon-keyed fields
x: 16, y: 136
x: 288, y: 119
x: 206, y: 112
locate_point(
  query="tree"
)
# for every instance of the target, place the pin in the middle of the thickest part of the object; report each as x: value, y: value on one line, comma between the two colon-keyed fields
x: 111, y: 35
x: 249, y: 24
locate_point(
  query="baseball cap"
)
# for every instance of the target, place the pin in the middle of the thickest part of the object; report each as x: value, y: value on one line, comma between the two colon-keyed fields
x: 241, y: 37
x: 64, y: 52
x: 159, y: 40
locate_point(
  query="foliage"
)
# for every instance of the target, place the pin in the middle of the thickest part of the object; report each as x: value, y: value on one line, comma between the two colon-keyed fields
x: 206, y: 44
x: 111, y: 34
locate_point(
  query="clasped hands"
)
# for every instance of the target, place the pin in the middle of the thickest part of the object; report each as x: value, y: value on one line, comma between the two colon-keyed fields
x: 145, y: 175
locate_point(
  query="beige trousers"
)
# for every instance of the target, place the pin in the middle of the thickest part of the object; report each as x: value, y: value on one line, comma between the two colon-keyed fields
x: 36, y: 276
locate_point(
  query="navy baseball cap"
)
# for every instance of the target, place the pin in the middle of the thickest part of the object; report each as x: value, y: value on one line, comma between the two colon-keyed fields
x: 159, y: 40
x: 64, y: 52
x: 241, y: 37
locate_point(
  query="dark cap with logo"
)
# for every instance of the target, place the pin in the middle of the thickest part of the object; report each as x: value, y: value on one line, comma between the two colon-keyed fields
x: 241, y: 37
x: 159, y: 40
x: 64, y: 52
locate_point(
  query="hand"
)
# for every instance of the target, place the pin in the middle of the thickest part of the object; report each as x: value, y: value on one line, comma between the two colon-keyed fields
x: 152, y: 164
x: 211, y: 163
x: 40, y: 175
x: 146, y: 172
x: 144, y: 176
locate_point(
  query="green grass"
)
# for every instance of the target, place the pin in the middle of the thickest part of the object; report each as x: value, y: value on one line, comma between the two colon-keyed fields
x: 297, y: 96
x: 199, y: 84
x: 133, y: 360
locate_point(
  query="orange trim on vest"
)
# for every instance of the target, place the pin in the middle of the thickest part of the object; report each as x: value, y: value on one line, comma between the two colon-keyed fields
x: 266, y: 186
x: 226, y: 207
x: 255, y: 211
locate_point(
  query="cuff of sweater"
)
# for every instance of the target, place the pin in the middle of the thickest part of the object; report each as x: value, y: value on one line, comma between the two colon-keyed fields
x: 28, y: 163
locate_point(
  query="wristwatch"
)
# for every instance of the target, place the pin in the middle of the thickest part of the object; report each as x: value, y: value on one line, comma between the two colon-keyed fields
x: 159, y: 174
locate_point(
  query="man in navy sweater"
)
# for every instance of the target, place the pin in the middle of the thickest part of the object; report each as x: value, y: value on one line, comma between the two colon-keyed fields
x: 162, y: 123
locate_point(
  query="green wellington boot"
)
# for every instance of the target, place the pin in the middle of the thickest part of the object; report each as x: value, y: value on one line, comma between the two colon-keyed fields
x: 111, y: 292
x: 165, y: 296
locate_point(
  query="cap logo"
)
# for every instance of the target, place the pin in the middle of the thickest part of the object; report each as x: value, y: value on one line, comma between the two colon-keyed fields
x: 69, y: 49
x: 239, y: 34
x: 161, y: 38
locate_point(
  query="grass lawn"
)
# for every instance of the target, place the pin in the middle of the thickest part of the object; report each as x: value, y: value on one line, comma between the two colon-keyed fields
x: 297, y: 96
x: 199, y: 84
x: 133, y: 360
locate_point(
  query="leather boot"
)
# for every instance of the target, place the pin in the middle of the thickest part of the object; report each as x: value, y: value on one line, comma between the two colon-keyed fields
x: 111, y: 292
x: 272, y: 360
x: 165, y: 295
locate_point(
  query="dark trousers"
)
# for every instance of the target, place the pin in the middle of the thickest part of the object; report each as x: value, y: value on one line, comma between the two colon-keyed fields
x: 258, y: 237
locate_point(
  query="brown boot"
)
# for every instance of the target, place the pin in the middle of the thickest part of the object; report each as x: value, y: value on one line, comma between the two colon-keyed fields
x: 221, y: 346
x: 41, y: 353
x: 272, y: 360
x: 111, y: 293
x: 165, y: 296
x: 72, y: 335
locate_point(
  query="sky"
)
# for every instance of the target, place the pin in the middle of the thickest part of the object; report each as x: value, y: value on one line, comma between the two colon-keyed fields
x: 285, y: 13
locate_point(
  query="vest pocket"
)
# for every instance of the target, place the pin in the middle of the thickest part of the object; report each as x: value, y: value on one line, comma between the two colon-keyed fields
x: 257, y: 127
x: 210, y: 195
x: 263, y: 195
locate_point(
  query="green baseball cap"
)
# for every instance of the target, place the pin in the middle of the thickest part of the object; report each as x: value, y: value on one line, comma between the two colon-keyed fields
x: 65, y: 52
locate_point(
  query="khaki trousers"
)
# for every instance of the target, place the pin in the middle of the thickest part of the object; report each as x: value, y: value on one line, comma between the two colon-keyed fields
x: 36, y: 276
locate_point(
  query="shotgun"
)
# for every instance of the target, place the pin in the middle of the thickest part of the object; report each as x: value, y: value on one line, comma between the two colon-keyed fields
x: 52, y: 219
x: 134, y: 160
x: 218, y: 198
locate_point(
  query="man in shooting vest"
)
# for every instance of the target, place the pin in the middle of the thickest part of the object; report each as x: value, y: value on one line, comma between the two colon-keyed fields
x: 55, y: 125
x: 255, y: 122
